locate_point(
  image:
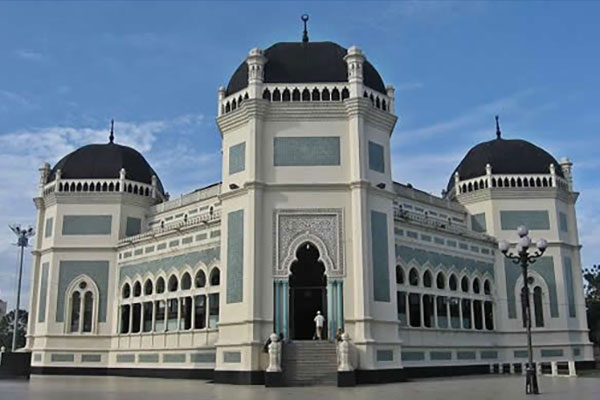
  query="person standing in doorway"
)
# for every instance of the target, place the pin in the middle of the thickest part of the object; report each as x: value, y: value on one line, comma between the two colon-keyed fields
x: 319, y: 322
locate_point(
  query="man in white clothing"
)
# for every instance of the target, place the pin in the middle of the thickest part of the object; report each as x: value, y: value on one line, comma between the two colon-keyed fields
x: 319, y: 322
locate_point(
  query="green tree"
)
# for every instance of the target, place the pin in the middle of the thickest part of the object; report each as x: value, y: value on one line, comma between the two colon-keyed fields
x: 6, y: 329
x: 592, y: 301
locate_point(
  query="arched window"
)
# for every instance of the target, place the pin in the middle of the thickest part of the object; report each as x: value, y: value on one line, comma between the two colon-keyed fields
x: 538, y: 307
x: 173, y: 283
x: 81, y: 307
x: 486, y: 287
x: 399, y: 275
x: 148, y: 287
x: 126, y: 291
x: 186, y: 282
x: 200, y: 280
x: 476, y: 287
x: 160, y: 285
x: 441, y: 281
x: 453, y: 282
x: 137, y: 289
x: 325, y: 95
x: 215, y: 277
x: 413, y: 277
x: 335, y: 94
x: 464, y: 284
x: 296, y: 95
x: 427, y: 279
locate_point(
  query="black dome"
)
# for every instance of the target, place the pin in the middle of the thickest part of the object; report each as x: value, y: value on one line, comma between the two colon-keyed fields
x: 512, y: 156
x: 311, y: 62
x: 104, y: 161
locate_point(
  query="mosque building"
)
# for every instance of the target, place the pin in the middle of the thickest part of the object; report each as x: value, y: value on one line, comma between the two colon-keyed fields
x: 306, y: 218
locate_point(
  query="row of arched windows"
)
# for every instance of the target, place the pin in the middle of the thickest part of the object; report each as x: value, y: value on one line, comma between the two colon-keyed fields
x: 81, y: 306
x: 103, y: 187
x: 306, y: 95
x: 171, y: 305
x: 446, y: 307
x: 505, y: 182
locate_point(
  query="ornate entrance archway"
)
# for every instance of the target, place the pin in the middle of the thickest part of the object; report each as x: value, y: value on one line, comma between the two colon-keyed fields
x: 308, y: 293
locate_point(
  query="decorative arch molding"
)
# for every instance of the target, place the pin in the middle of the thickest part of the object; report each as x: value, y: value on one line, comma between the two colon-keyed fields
x: 538, y: 280
x: 321, y: 227
x: 73, y: 287
x: 302, y: 239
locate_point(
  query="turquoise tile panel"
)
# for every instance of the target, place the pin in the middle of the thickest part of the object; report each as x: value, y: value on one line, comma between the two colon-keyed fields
x: 413, y: 356
x: 466, y: 355
x: 385, y: 355
x: 62, y: 357
x: 43, y: 292
x: 91, y: 358
x: 237, y: 158
x: 232, y: 356
x: 306, y: 151
x: 420, y: 256
x: 489, y: 355
x: 532, y: 219
x: 37, y: 357
x: 562, y: 222
x: 133, y: 227
x: 164, y: 264
x: 86, y: 224
x: 48, y: 227
x: 148, y: 358
x: 376, y: 158
x: 546, y: 353
x: 521, y: 354
x: 478, y: 223
x: 568, y: 266
x: 379, y: 252
x: 125, y: 358
x: 174, y: 358
x: 203, y: 357
x: 69, y: 270
x: 235, y: 256
x: 543, y: 266
x: 441, y: 355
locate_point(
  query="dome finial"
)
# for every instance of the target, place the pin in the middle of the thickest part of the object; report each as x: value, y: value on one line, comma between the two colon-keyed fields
x: 304, y: 19
x: 498, y: 133
x: 111, y: 138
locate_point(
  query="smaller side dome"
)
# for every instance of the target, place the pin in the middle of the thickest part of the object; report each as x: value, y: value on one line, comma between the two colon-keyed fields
x: 104, y: 161
x: 506, y: 156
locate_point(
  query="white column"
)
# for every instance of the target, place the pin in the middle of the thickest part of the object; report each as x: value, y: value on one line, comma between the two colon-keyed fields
x: 572, y: 371
x: 554, y: 368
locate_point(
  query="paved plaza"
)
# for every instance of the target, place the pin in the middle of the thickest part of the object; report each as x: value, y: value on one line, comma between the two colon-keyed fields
x: 118, y: 388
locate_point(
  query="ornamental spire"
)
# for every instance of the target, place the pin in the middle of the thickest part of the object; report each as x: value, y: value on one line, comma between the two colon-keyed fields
x: 111, y: 138
x: 304, y: 19
x: 498, y: 133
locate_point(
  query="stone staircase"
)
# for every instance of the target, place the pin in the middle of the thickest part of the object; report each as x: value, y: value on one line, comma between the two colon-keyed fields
x: 309, y: 363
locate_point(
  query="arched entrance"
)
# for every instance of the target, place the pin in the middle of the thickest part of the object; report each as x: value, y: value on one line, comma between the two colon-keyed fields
x: 308, y: 293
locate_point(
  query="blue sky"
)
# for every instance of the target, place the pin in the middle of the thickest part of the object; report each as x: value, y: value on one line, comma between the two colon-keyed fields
x: 68, y: 68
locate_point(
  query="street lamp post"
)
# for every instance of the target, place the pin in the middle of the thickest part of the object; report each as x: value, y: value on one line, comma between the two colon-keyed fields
x: 524, y: 259
x: 23, y: 236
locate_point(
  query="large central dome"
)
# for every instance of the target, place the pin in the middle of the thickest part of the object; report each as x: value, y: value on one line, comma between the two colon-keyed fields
x: 305, y: 62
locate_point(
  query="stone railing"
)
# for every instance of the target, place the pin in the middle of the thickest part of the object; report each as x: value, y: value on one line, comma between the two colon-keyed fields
x: 101, y: 186
x: 511, y: 181
x: 437, y: 223
x: 178, y: 225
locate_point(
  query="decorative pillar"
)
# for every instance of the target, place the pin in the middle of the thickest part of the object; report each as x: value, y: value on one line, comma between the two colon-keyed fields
x: 154, y: 186
x: 553, y: 174
x: 340, y: 305
x: 355, y: 59
x: 435, y: 317
x: 330, y: 308
x: 256, y: 72
x: 567, y: 169
x: 122, y: 180
x: 277, y: 288
x: 220, y: 105
x: 456, y: 183
x: 274, y: 354
x: 390, y: 91
x: 44, y: 171
x: 285, y: 293
x: 488, y: 174
x: 572, y: 371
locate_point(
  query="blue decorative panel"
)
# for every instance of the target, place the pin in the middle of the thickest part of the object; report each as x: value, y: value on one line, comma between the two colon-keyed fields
x: 43, y: 293
x: 543, y: 266
x: 232, y: 356
x: 478, y: 223
x: 174, y: 243
x: 125, y: 358
x: 376, y: 159
x: 178, y: 262
x: 149, y: 249
x: 235, y: 256
x: 438, y: 240
x: 201, y: 236
x: 552, y: 353
x: 69, y: 270
x: 306, y: 151
x: 161, y: 246
x: 412, y: 234
x: 174, y: 358
x: 562, y: 222
x: 568, y: 267
x: 37, y: 357
x: 203, y: 357
x: 441, y: 355
x: 489, y: 355
x: 451, y: 243
x: 379, y: 252
x: 148, y: 358
x: 86, y: 224
x: 91, y: 358
x: 576, y: 351
x: 420, y: 256
x: 426, y: 238
x: 215, y: 234
x: 521, y: 354
x: 413, y: 356
x: 187, y: 240
x: 385, y: 355
x: 463, y: 246
x: 237, y: 158
x: 133, y: 227
x: 62, y: 357
x: 534, y: 219
x: 48, y: 227
x: 466, y: 355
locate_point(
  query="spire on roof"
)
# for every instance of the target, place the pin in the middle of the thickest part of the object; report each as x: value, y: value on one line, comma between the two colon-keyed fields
x: 111, y: 138
x: 498, y: 133
x: 304, y: 19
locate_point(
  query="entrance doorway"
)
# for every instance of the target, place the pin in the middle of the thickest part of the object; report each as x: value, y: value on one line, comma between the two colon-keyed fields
x: 308, y: 293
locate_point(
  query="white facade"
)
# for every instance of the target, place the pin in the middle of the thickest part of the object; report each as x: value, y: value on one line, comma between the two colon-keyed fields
x: 196, y: 284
